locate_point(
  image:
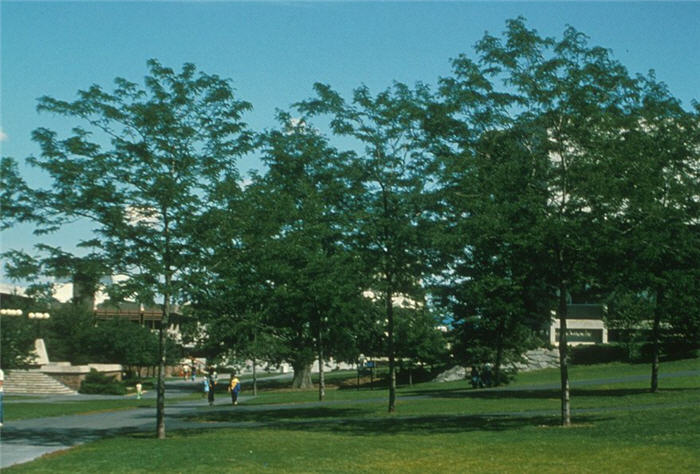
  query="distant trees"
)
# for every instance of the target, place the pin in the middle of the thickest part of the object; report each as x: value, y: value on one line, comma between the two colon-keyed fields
x: 16, y: 342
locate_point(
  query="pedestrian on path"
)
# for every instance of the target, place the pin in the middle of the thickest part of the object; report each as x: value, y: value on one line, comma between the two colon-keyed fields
x: 139, y: 390
x: 212, y: 384
x: 234, y: 387
x: 205, y: 387
x: 2, y: 381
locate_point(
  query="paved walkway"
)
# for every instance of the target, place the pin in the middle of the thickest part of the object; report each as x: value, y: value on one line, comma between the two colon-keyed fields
x: 24, y: 440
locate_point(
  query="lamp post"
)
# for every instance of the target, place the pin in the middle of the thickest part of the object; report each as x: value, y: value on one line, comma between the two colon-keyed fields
x: 39, y: 317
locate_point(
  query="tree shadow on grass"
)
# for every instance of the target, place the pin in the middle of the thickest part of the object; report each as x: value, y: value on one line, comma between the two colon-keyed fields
x: 549, y: 393
x: 356, y: 421
x: 277, y: 414
x: 437, y: 424
x: 58, y: 436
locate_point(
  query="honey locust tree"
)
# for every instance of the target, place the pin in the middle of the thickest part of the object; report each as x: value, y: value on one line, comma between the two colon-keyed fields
x: 312, y: 274
x: 566, y: 104
x: 392, y: 172
x: 140, y: 166
x: 657, y: 244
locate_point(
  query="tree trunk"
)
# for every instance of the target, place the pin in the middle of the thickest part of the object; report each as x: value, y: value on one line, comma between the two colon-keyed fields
x: 302, y: 374
x: 498, y: 363
x: 499, y: 353
x: 656, y: 336
x: 321, y: 375
x: 563, y: 357
x: 160, y: 401
x: 392, y: 361
x: 168, y: 275
x: 255, y: 380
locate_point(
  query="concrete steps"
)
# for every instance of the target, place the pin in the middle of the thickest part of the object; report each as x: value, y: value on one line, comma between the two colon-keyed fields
x: 34, y: 382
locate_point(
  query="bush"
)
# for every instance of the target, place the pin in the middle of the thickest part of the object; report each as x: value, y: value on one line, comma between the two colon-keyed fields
x: 598, y: 354
x: 97, y: 383
x: 670, y: 349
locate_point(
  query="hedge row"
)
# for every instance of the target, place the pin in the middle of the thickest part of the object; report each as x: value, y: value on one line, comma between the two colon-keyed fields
x: 633, y: 352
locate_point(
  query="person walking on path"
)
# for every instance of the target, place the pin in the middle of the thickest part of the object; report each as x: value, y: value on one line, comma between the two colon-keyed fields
x: 476, y: 377
x: 234, y: 387
x: 205, y: 387
x: 212, y: 384
x: 2, y: 381
x: 139, y: 390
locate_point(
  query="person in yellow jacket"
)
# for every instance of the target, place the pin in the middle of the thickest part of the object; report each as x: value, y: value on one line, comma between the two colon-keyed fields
x: 234, y: 387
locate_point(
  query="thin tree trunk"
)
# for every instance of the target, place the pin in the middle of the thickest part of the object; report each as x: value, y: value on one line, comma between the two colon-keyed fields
x: 321, y: 374
x: 392, y: 361
x: 499, y: 354
x: 656, y: 336
x: 255, y: 380
x: 160, y: 402
x: 499, y: 361
x: 563, y: 358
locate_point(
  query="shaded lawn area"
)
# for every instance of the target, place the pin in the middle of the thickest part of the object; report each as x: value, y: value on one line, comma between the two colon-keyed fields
x: 41, y: 409
x: 22, y: 411
x: 655, y: 440
x: 464, y: 402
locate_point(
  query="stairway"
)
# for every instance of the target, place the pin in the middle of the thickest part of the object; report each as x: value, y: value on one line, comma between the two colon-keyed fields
x: 34, y: 382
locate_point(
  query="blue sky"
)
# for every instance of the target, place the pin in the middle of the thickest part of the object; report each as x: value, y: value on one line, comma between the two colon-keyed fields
x: 275, y: 51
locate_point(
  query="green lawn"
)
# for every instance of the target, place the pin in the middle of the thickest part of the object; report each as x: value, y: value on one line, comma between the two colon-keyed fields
x: 40, y: 409
x: 654, y: 440
x: 448, y: 427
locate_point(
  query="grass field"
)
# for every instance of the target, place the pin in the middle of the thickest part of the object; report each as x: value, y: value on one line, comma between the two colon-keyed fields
x: 36, y: 408
x: 617, y: 427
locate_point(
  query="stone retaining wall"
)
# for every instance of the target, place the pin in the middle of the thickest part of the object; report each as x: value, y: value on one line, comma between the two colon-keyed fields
x: 73, y: 375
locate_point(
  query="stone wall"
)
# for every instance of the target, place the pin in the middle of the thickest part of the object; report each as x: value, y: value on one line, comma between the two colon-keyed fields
x: 535, y: 359
x: 73, y: 375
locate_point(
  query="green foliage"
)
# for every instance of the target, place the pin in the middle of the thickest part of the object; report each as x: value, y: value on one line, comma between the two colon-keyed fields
x: 391, y: 175
x: 67, y: 334
x: 418, y: 338
x: 599, y: 354
x: 14, y: 206
x: 17, y: 336
x: 142, y: 164
x: 97, y: 383
x: 538, y: 171
x: 670, y: 349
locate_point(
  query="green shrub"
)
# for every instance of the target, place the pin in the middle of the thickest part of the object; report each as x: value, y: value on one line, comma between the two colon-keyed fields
x: 598, y: 354
x: 97, y: 383
x: 670, y: 349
